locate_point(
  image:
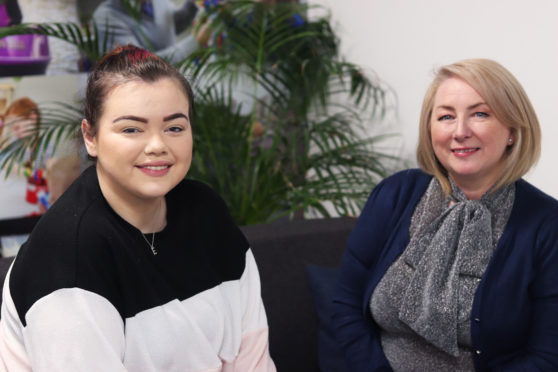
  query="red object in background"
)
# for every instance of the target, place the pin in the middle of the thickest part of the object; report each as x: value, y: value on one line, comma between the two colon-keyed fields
x: 36, y: 188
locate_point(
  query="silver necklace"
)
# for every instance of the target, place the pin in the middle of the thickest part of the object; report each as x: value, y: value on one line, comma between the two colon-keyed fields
x: 151, y: 244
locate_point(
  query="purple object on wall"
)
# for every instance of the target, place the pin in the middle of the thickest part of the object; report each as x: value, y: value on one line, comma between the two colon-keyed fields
x: 24, y: 49
x: 24, y: 55
x: 21, y: 54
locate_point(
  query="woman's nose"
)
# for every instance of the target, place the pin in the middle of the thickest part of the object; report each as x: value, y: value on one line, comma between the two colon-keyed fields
x: 462, y: 129
x: 155, y: 145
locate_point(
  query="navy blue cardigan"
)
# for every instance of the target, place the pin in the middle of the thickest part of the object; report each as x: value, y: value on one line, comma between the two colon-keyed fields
x: 514, y: 320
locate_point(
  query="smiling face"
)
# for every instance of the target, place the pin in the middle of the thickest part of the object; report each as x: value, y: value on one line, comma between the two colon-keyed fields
x: 143, y: 142
x: 468, y: 140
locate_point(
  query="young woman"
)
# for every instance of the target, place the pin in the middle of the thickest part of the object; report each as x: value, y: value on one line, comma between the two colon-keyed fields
x: 134, y: 267
x: 454, y: 267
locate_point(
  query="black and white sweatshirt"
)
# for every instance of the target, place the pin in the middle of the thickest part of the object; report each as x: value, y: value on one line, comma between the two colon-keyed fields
x: 86, y: 293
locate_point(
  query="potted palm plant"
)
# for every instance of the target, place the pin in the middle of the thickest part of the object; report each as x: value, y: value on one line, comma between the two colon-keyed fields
x: 279, y: 113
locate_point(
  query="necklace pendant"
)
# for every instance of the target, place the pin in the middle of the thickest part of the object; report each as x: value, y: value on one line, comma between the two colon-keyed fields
x: 152, y: 244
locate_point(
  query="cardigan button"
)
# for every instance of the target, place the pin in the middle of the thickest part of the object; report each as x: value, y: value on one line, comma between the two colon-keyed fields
x: 477, y: 320
x: 478, y: 352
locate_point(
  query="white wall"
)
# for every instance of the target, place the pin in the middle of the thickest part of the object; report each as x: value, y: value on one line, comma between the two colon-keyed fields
x: 403, y: 40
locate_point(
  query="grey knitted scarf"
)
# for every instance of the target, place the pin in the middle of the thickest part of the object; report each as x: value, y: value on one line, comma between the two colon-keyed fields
x: 458, y: 242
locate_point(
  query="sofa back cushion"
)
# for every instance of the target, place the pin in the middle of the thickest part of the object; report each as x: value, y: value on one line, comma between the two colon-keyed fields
x: 282, y: 251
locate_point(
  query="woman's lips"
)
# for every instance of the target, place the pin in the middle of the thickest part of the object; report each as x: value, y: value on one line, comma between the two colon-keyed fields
x: 155, y: 170
x: 465, y: 151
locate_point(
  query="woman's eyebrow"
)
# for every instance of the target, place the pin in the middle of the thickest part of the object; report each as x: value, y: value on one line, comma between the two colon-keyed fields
x: 143, y: 120
x: 472, y: 107
x: 449, y: 107
x: 444, y: 107
x: 175, y: 116
x: 130, y: 117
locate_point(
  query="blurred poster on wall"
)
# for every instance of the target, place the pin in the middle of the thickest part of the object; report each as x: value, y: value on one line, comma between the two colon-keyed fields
x: 29, y: 104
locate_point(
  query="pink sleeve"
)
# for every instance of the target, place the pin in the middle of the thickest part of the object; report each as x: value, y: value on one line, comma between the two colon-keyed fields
x: 253, y: 354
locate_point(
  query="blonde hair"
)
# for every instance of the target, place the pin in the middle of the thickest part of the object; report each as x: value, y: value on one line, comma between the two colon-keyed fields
x: 510, y: 105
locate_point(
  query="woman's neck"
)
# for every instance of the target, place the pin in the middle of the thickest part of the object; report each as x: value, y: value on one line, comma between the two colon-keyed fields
x: 473, y: 193
x: 146, y: 214
x: 473, y: 189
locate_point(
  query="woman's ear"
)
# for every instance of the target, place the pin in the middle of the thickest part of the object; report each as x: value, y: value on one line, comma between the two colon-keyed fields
x: 512, y: 138
x: 89, y: 138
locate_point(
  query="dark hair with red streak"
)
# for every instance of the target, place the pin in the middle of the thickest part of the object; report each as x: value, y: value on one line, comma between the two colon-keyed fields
x: 122, y: 65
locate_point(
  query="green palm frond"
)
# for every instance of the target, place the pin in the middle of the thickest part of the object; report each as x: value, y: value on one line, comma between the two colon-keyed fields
x: 314, y: 105
x: 133, y: 7
x: 252, y: 189
x: 294, y: 64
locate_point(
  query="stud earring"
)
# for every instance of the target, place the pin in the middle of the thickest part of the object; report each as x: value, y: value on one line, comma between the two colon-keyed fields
x: 510, y: 140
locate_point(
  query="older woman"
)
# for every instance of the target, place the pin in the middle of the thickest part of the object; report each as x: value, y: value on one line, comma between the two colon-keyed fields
x: 455, y: 266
